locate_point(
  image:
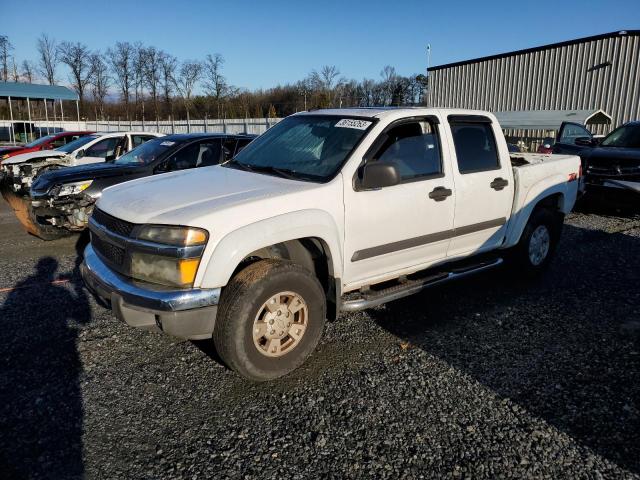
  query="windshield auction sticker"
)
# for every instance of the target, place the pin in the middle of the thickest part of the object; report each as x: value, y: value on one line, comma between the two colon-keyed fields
x: 352, y: 123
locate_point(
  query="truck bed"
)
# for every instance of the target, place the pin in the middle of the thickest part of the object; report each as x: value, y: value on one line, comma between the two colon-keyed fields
x: 539, y: 175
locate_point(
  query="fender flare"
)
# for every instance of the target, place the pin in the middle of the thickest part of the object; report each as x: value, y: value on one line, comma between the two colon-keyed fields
x: 546, y: 188
x: 234, y: 247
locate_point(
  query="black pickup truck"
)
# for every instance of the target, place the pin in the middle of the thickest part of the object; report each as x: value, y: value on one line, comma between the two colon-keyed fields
x: 62, y: 200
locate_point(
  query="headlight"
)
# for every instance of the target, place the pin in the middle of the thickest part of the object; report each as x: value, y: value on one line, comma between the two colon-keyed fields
x: 180, y: 272
x: 72, y: 188
x: 178, y: 236
x: 168, y: 270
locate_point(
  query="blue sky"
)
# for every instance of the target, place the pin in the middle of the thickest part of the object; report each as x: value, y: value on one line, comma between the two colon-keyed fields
x: 273, y: 42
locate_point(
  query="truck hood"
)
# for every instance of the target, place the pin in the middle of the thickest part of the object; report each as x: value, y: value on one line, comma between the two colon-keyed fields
x: 613, y: 162
x: 183, y: 197
x: 79, y: 173
x: 26, y: 157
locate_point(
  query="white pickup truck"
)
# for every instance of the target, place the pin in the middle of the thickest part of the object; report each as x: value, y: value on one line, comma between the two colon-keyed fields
x: 328, y: 211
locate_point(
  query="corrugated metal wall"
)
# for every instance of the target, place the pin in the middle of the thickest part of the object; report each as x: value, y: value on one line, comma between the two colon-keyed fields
x: 556, y: 78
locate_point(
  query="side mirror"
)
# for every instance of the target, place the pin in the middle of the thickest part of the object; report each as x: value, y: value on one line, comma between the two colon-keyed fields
x: 110, y: 158
x: 380, y: 175
x: 585, y: 141
x: 80, y: 154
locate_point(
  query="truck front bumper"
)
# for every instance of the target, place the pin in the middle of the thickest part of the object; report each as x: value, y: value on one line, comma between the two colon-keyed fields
x: 186, y: 313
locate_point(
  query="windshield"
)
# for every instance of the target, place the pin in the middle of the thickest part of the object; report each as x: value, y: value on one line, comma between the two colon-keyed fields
x: 145, y: 153
x: 76, y: 144
x: 40, y: 141
x: 303, y: 147
x: 627, y: 136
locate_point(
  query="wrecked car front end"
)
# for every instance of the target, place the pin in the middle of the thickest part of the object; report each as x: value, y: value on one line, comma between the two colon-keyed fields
x: 65, y: 206
x: 19, y: 176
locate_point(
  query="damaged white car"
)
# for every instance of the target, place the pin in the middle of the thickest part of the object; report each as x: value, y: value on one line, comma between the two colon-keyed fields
x: 18, y: 172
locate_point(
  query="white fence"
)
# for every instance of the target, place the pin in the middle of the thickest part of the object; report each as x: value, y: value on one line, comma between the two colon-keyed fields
x: 238, y: 125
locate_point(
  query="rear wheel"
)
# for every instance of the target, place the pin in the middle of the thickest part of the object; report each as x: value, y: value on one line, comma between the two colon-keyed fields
x: 538, y: 242
x: 271, y: 317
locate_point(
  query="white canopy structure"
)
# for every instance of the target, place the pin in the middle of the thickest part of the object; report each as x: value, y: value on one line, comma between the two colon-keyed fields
x: 550, y: 119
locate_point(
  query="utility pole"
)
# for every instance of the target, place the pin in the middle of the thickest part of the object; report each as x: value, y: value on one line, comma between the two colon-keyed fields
x: 428, y: 75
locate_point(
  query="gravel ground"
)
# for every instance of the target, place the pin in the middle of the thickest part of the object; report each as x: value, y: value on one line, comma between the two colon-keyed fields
x: 487, y: 378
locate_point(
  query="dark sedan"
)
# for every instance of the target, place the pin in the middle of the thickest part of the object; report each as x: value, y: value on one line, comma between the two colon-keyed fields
x: 62, y: 200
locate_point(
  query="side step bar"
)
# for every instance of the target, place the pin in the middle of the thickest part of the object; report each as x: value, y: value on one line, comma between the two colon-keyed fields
x: 374, y: 298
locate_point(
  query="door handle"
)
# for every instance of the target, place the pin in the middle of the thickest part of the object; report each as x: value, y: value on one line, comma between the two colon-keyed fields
x: 499, y: 183
x: 440, y: 193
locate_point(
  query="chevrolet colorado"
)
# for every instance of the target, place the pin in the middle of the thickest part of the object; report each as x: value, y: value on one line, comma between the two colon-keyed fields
x: 328, y: 211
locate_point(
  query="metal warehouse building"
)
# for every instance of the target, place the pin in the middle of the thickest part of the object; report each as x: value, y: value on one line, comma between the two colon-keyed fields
x: 593, y: 73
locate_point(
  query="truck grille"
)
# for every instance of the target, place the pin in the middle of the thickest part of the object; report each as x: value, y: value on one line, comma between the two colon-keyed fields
x: 111, y: 253
x: 112, y: 223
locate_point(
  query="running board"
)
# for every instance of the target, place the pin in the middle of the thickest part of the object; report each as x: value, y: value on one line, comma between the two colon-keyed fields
x: 372, y: 298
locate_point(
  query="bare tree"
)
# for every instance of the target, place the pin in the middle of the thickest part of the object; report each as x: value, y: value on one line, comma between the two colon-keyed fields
x: 389, y: 80
x: 153, y: 74
x: 28, y: 71
x: 215, y: 82
x: 326, y: 78
x: 77, y: 57
x: 48, y: 58
x: 139, y: 52
x: 99, y: 82
x: 188, y: 75
x: 5, y: 49
x: 121, y: 61
x: 169, y: 63
x: 15, y: 76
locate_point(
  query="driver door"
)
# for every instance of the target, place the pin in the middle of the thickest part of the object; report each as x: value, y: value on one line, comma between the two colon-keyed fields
x: 406, y: 226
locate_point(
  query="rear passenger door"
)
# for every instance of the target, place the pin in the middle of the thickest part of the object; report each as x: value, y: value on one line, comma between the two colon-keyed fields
x: 484, y: 185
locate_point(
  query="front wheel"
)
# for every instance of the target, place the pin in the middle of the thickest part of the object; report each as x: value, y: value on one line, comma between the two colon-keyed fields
x: 538, y: 242
x: 271, y: 317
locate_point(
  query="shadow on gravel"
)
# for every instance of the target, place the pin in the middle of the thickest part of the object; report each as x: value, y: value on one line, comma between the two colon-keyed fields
x: 41, y: 413
x: 566, y: 347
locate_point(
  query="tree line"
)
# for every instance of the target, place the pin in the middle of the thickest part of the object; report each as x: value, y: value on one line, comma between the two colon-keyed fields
x: 133, y: 81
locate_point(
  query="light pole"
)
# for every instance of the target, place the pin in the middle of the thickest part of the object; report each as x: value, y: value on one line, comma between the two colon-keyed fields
x: 428, y: 74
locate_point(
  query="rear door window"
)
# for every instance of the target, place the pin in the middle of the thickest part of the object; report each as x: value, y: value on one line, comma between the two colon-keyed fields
x: 104, y: 148
x: 137, y: 140
x: 475, y: 145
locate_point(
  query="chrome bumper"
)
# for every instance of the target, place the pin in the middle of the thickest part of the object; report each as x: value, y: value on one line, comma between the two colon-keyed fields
x: 182, y: 313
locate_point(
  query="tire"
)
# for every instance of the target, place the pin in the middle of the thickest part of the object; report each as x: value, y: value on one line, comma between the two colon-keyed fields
x: 538, y: 243
x: 243, y: 311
